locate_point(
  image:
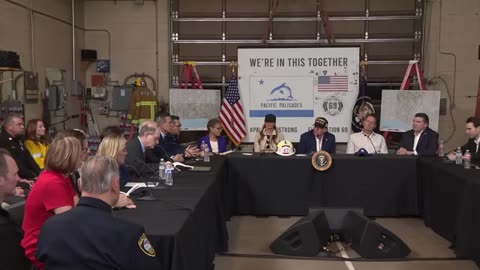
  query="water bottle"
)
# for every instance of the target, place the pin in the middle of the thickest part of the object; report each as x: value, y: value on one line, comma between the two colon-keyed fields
x: 161, y: 169
x: 206, y: 154
x: 440, y: 149
x: 467, y: 158
x: 203, y: 146
x: 458, y: 156
x: 169, y: 174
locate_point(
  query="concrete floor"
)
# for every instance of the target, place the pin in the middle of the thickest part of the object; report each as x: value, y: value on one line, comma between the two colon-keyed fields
x: 250, y: 236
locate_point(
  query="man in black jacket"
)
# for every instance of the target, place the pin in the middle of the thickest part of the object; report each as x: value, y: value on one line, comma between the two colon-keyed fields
x: 11, y: 139
x: 12, y: 255
x: 420, y: 140
x: 472, y: 129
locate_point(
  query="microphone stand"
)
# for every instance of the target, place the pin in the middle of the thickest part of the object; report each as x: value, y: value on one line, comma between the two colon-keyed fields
x: 370, y: 140
x: 64, y: 120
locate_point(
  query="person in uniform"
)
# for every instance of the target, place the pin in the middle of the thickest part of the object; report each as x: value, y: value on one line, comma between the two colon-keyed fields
x: 11, y: 139
x: 88, y: 236
x: 11, y: 253
x: 36, y: 142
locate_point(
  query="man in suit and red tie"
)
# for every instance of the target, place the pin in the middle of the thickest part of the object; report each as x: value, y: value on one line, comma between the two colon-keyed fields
x: 317, y: 139
x: 420, y: 140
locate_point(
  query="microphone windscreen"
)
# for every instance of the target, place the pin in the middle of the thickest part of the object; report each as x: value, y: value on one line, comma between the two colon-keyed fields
x: 362, y: 152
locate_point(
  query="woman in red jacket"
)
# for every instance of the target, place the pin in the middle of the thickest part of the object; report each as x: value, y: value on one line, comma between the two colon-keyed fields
x: 52, y: 193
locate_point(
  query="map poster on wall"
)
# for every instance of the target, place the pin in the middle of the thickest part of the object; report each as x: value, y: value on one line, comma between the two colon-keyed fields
x: 298, y: 85
x: 194, y: 106
x: 400, y: 106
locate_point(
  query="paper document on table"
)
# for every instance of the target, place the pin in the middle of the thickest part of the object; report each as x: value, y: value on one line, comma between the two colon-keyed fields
x: 132, y: 184
x: 175, y: 164
x: 226, y: 153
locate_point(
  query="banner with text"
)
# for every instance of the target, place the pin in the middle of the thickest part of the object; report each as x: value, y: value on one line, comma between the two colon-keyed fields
x: 297, y: 85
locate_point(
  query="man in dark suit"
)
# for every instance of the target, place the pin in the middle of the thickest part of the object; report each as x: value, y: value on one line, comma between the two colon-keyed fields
x: 472, y: 129
x: 137, y: 148
x: 420, y: 140
x: 166, y: 148
x: 317, y: 139
x: 12, y: 255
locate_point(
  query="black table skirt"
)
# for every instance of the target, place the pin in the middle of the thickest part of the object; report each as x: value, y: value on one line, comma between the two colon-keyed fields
x: 273, y: 185
x: 452, y: 204
x: 186, y: 223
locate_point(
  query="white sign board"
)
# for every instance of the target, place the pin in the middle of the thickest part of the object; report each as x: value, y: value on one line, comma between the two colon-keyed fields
x: 194, y: 106
x: 400, y: 106
x: 298, y: 85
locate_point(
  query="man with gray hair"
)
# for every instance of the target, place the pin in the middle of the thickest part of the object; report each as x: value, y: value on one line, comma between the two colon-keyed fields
x: 148, y: 136
x: 88, y: 236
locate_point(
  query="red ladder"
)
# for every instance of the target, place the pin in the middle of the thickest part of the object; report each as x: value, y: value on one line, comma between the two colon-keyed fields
x: 190, y: 73
x: 412, y: 69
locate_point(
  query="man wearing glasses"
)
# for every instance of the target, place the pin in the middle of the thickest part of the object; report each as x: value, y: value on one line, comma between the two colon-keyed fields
x: 148, y: 136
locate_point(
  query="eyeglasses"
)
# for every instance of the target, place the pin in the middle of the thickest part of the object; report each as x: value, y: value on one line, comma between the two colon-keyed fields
x: 154, y: 137
x: 218, y: 128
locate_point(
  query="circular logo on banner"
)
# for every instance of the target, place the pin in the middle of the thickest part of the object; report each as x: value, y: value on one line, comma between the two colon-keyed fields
x: 333, y: 105
x: 362, y: 108
x: 322, y: 161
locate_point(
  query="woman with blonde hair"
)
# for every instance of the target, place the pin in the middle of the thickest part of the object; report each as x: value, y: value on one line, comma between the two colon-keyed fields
x: 52, y: 193
x: 36, y: 142
x: 115, y: 146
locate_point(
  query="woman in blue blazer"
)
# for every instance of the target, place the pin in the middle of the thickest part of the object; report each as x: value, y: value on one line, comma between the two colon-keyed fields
x: 216, y: 143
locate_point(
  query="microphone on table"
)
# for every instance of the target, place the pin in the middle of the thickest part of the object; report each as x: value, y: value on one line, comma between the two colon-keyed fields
x: 362, y: 152
x: 146, y: 194
x: 165, y: 153
x: 370, y: 140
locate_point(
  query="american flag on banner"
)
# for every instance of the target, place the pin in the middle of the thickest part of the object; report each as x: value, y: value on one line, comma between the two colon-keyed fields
x: 333, y: 83
x: 231, y: 113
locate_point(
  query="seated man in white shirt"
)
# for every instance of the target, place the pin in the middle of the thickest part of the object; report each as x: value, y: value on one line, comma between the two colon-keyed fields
x: 373, y: 142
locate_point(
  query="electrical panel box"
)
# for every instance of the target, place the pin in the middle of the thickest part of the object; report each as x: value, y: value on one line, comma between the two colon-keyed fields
x: 120, y: 98
x: 99, y: 92
x: 53, y: 97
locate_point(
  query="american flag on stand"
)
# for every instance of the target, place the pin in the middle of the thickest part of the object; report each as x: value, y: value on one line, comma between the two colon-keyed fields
x: 333, y: 83
x: 231, y: 113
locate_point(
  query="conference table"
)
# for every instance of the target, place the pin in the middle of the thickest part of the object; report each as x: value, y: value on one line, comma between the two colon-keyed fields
x: 268, y: 184
x: 187, y: 222
x: 452, y: 204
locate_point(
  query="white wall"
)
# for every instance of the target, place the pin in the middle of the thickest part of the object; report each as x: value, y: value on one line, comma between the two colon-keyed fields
x: 52, y: 43
x: 458, y: 33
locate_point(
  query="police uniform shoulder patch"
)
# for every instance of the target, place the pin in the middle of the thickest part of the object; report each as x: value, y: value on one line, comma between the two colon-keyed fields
x: 145, y: 246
